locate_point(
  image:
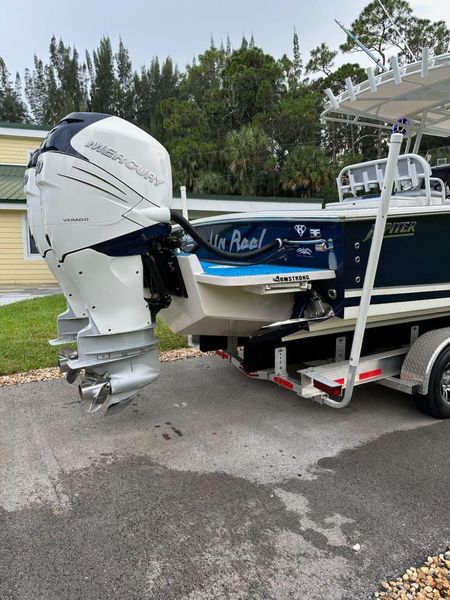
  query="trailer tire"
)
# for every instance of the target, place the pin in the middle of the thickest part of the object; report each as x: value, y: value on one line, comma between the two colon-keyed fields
x: 437, y: 401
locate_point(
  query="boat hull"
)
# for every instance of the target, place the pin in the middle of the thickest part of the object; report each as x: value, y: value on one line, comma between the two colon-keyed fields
x: 413, y: 276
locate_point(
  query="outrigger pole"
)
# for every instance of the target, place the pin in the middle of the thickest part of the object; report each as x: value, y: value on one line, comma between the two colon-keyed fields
x: 362, y: 46
x: 397, y: 30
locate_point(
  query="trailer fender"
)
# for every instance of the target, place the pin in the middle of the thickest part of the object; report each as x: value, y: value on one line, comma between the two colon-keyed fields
x: 419, y: 361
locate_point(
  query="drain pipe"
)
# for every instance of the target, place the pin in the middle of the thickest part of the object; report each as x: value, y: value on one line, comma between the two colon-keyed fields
x: 371, y: 270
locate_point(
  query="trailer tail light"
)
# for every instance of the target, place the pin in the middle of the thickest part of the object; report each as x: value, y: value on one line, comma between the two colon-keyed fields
x: 330, y: 387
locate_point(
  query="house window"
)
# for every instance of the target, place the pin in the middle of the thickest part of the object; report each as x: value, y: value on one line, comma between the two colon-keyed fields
x: 29, y: 245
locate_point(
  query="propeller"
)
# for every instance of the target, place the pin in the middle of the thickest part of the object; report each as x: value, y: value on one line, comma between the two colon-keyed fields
x: 94, y: 390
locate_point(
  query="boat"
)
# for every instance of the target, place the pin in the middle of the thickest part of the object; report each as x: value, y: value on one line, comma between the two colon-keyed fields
x: 295, y: 277
x: 332, y: 245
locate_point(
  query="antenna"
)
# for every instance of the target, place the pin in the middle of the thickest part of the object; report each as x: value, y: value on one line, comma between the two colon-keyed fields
x: 362, y: 46
x: 397, y: 30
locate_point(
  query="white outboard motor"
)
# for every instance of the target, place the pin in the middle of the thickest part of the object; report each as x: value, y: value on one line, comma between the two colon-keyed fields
x: 105, y: 189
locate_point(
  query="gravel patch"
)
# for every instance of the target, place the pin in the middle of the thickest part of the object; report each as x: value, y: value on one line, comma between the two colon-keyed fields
x: 54, y: 372
x: 431, y: 581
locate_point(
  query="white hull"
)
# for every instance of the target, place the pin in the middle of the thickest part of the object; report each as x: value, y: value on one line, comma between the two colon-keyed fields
x: 237, y: 306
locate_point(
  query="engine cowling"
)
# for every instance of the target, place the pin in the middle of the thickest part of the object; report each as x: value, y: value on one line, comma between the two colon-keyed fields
x: 105, y: 190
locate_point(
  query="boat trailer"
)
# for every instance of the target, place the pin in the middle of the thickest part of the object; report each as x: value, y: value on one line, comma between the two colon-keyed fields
x: 420, y: 369
x: 408, y: 369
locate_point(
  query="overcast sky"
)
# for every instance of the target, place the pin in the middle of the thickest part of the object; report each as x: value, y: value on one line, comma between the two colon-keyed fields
x: 179, y: 28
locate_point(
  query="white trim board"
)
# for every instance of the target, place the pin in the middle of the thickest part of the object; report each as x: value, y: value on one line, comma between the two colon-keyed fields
x: 26, y: 133
x: 13, y: 206
x: 407, y: 289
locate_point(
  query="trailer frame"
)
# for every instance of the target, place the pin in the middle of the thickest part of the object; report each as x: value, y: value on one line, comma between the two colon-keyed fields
x: 406, y: 369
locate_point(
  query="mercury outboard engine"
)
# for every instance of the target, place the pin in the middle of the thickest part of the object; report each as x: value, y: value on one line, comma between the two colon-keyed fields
x: 99, y: 193
x: 105, y: 188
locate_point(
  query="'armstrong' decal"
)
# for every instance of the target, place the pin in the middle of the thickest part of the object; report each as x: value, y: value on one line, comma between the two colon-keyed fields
x: 290, y: 278
x: 396, y: 229
x: 113, y: 154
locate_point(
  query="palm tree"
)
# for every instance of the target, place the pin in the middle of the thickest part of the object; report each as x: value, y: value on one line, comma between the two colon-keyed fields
x: 306, y: 170
x: 246, y: 151
x: 210, y: 182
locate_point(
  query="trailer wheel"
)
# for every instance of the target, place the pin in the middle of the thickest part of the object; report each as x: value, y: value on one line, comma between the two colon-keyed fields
x: 437, y: 401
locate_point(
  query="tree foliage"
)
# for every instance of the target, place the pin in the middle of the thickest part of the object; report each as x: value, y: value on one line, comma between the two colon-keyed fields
x: 58, y: 87
x: 235, y: 120
x: 321, y: 60
x: 12, y: 107
x: 247, y: 152
x: 103, y: 93
x: 306, y: 170
x: 396, y: 27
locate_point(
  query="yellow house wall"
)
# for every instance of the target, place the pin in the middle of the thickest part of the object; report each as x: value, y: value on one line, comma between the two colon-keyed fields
x: 14, y: 150
x: 15, y: 268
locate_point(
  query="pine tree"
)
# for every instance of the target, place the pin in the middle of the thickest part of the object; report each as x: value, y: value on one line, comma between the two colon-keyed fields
x: 228, y: 48
x: 35, y: 91
x: 57, y: 88
x: 165, y: 88
x: 154, y: 86
x: 12, y: 107
x: 321, y: 60
x: 68, y: 75
x: 298, y: 63
x: 125, y: 92
x: 103, y: 79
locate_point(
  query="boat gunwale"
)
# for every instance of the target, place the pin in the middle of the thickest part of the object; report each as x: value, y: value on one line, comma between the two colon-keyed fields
x: 324, y: 214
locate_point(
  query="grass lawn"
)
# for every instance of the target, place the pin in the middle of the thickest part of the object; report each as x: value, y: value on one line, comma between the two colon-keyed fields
x: 26, y: 327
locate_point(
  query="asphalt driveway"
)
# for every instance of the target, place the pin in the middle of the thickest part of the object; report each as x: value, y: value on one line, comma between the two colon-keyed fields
x: 213, y: 486
x: 16, y: 293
